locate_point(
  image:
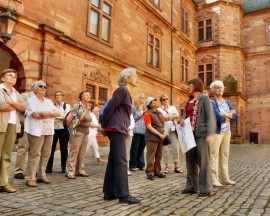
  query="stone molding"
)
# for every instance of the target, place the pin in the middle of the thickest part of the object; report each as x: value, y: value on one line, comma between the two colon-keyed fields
x: 155, y: 27
x: 97, y: 75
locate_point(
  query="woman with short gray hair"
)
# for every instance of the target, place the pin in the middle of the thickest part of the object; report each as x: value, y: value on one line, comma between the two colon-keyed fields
x: 115, y: 121
x: 39, y: 126
x: 219, y: 150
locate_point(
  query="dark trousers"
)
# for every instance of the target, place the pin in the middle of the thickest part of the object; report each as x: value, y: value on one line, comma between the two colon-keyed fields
x: 137, y: 151
x: 116, y: 178
x: 63, y: 136
x: 198, y: 167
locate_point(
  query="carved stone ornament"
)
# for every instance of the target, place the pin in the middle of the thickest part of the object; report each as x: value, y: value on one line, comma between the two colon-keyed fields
x: 51, y: 50
x: 206, y: 58
x: 156, y: 28
x: 97, y: 75
x: 205, y: 15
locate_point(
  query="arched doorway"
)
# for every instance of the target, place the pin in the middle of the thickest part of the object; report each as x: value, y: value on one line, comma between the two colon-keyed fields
x: 8, y: 59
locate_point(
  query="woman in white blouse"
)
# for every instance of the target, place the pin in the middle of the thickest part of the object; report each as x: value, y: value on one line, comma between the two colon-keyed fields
x: 93, y: 131
x: 39, y: 126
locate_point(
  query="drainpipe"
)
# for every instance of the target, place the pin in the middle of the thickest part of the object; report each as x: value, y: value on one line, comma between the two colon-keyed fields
x: 172, y: 22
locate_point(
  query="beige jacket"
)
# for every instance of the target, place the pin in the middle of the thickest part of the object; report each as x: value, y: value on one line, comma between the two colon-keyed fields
x: 4, y: 116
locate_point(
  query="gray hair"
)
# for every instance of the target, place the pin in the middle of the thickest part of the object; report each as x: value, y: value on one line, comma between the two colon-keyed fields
x: 125, y: 74
x: 35, y: 84
x: 216, y: 83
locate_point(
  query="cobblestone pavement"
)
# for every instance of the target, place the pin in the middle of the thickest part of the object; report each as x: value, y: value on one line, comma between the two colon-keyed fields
x: 249, y: 167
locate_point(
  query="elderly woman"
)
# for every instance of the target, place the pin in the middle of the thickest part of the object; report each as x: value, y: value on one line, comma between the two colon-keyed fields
x: 79, y: 131
x: 11, y: 103
x: 202, y: 118
x: 39, y: 126
x: 138, y: 141
x: 115, y: 121
x: 219, y: 150
x: 154, y: 136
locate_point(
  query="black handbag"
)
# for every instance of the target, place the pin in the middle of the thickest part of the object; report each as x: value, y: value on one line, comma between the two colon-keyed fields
x: 166, y: 141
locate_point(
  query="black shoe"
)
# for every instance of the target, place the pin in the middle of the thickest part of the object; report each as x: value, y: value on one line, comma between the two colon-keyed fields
x: 129, y: 200
x: 63, y: 170
x: 160, y: 175
x: 19, y: 176
x: 109, y: 197
x: 150, y: 177
x: 188, y: 191
x: 204, y: 194
x: 48, y: 171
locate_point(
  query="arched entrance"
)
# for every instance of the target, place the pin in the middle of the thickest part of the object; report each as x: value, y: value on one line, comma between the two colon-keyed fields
x: 8, y: 59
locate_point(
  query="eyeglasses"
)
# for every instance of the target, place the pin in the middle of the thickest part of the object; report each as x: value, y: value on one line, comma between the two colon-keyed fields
x: 41, y: 86
x: 11, y: 75
x: 163, y: 99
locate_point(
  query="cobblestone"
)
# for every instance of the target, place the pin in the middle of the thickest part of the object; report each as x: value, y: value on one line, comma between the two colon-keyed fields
x: 249, y: 167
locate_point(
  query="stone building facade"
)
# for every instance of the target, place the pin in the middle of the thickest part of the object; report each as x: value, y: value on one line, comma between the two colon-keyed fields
x: 76, y: 45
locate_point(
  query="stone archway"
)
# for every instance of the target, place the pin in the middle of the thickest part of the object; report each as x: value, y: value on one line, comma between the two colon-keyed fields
x: 8, y: 59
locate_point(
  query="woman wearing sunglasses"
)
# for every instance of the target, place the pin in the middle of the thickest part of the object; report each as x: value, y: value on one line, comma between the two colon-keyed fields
x: 39, y: 126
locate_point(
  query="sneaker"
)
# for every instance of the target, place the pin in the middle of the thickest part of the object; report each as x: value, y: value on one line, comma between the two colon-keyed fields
x: 19, y: 176
x: 160, y: 175
x: 8, y: 189
x: 129, y: 200
x: 129, y: 173
x: 133, y: 169
x: 44, y: 180
x: 31, y: 183
x: 230, y: 182
x: 217, y: 184
x: 204, y: 194
x: 150, y: 177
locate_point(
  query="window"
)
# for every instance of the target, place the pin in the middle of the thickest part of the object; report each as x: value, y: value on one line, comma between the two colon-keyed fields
x: 156, y: 2
x: 184, y: 21
x: 205, y: 30
x: 205, y: 73
x: 153, y: 56
x: 184, y: 70
x: 99, y: 94
x: 100, y: 17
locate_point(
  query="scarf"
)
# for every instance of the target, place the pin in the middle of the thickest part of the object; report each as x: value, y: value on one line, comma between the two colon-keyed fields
x: 195, y: 112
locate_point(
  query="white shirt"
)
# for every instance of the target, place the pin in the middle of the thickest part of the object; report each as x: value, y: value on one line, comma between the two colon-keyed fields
x: 131, y: 126
x: 170, y: 110
x: 13, y: 96
x: 58, y: 122
x: 93, y: 130
x: 36, y: 126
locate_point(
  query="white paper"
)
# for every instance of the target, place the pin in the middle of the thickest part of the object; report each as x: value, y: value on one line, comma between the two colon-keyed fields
x: 185, y: 136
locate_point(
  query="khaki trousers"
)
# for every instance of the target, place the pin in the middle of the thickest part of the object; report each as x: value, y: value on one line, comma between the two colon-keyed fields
x: 39, y: 147
x: 7, y: 140
x: 153, y: 157
x: 173, y: 147
x: 23, y: 147
x: 75, y: 161
x: 219, y: 157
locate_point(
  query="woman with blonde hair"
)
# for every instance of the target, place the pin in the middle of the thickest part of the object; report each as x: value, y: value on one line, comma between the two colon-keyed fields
x: 138, y: 142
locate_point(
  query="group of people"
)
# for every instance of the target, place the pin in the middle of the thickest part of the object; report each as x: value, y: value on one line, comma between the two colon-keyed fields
x: 148, y: 123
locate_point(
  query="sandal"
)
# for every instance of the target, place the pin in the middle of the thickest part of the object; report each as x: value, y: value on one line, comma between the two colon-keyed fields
x: 178, y: 170
x: 166, y: 171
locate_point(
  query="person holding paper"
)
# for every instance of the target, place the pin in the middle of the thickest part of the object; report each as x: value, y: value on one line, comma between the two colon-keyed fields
x: 219, y: 150
x: 200, y: 111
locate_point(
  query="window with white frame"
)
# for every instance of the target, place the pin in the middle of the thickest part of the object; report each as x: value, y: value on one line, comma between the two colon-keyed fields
x: 100, y: 18
x: 153, y: 51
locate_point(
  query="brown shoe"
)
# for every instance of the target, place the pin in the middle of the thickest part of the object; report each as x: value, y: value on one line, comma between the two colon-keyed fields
x: 44, y: 180
x: 8, y: 189
x: 31, y: 183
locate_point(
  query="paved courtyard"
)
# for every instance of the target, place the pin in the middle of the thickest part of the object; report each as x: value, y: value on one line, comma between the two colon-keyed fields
x: 249, y: 167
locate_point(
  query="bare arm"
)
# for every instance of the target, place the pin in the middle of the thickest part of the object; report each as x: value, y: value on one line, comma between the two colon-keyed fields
x: 20, y: 106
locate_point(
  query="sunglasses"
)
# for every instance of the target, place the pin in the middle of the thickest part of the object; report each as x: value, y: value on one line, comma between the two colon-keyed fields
x: 11, y: 75
x: 41, y: 86
x: 163, y: 99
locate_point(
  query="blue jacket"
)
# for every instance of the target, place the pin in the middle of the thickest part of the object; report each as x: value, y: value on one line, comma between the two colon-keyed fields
x: 221, y: 118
